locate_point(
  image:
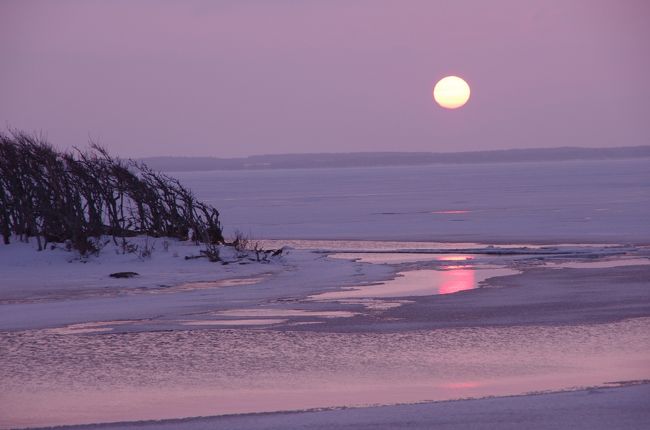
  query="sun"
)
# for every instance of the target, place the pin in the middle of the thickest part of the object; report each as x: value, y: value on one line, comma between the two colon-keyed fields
x: 451, y: 92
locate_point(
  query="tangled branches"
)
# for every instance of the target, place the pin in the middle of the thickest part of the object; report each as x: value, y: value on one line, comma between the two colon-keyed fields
x: 77, y: 196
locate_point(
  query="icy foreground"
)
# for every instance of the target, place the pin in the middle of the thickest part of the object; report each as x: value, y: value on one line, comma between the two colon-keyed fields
x: 316, y: 327
x: 55, y: 287
x: 593, y: 409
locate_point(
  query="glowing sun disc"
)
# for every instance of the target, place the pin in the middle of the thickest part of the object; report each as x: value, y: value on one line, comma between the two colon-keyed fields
x: 451, y: 92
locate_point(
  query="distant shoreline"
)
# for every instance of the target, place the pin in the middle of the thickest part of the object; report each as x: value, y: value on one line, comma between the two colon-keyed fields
x: 386, y: 159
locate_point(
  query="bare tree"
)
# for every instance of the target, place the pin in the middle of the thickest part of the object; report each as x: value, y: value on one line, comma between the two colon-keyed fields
x: 78, y: 196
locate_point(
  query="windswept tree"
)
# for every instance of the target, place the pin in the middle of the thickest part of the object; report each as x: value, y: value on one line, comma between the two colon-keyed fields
x: 73, y: 197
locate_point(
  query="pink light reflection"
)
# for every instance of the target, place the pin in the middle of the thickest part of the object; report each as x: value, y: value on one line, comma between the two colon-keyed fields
x: 450, y: 212
x: 454, y: 258
x: 456, y: 279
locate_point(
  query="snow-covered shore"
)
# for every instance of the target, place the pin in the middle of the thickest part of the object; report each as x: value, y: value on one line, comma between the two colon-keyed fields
x: 269, y: 333
x: 53, y: 288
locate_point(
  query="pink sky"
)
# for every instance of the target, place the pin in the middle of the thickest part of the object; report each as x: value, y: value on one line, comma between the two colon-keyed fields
x: 232, y: 78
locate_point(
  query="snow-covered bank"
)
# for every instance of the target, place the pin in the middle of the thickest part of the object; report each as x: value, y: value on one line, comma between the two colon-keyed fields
x: 57, y: 274
x: 604, y: 408
x: 54, y: 288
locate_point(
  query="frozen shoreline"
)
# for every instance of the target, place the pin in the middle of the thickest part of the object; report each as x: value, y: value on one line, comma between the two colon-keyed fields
x: 594, y: 408
x: 64, y: 307
x: 52, y: 289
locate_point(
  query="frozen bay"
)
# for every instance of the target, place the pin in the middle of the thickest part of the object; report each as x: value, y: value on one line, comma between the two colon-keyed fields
x: 550, y: 202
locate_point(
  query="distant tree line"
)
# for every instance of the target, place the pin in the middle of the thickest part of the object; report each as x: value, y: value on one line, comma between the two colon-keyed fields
x: 76, y: 197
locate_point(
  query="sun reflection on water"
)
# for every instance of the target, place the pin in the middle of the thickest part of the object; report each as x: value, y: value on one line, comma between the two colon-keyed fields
x: 446, y: 278
x: 456, y: 279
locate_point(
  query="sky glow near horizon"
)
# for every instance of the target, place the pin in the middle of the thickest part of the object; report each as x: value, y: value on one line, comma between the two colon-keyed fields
x: 234, y: 78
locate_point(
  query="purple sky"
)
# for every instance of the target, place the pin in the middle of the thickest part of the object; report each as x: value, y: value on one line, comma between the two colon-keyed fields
x: 236, y: 77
